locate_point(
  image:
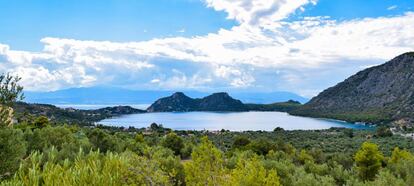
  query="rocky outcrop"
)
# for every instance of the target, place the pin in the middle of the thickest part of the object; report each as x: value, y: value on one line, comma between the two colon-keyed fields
x: 179, y: 102
x: 379, y: 94
x: 220, y: 102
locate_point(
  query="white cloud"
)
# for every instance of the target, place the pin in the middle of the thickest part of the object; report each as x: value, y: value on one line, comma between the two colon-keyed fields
x: 257, y: 12
x: 392, y: 7
x: 181, y: 30
x: 263, y: 52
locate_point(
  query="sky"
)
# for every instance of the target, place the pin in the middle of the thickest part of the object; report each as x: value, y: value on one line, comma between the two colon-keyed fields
x: 301, y: 46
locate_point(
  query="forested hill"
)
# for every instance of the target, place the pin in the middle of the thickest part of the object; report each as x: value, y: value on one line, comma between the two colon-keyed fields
x: 26, y: 112
x: 179, y: 102
x: 379, y: 94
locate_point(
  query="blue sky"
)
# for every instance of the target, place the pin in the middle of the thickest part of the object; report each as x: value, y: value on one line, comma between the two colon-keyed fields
x: 25, y: 22
x: 302, y: 46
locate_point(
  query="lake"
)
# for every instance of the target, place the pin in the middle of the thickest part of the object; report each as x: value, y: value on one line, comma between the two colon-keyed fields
x: 98, y: 106
x: 234, y: 121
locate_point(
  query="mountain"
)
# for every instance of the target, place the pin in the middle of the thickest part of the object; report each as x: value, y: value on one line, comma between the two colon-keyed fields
x: 110, y: 96
x: 281, y: 106
x: 179, y: 102
x: 26, y: 112
x: 380, y: 94
x: 267, y: 97
x: 220, y: 102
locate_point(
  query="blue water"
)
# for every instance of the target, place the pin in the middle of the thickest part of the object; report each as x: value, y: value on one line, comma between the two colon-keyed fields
x: 234, y: 121
x: 98, y: 106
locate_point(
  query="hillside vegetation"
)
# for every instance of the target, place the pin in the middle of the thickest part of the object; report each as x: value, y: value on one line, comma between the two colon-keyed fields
x: 71, y: 155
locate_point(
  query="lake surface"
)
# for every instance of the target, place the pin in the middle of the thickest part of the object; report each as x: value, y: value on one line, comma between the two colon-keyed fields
x: 234, y: 121
x: 98, y: 106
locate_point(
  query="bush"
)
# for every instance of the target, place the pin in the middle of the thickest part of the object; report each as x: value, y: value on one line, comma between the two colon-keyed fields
x: 12, y: 150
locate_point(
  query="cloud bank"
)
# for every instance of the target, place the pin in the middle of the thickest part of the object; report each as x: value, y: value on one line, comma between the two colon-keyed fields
x: 264, y: 52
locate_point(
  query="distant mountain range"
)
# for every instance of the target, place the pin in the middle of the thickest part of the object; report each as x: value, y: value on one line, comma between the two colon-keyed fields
x: 179, y: 102
x: 105, y: 95
x: 380, y: 94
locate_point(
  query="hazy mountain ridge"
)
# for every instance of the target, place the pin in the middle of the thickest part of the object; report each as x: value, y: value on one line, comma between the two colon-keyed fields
x: 108, y: 95
x: 379, y: 94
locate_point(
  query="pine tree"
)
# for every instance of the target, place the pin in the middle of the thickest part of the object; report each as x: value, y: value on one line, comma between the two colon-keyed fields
x: 206, y: 166
x: 368, y: 160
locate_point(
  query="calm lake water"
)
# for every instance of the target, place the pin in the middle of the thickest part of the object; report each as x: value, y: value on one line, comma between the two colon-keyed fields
x: 234, y: 121
x: 98, y: 106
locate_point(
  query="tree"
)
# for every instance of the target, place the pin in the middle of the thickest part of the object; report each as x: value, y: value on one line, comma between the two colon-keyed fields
x: 240, y: 141
x: 252, y: 172
x: 368, y: 160
x: 261, y: 146
x: 206, y: 166
x: 173, y: 142
x: 278, y: 129
x: 103, y: 141
x: 383, y: 131
x: 398, y: 155
x: 12, y: 150
x: 10, y: 92
x: 41, y: 122
x: 349, y: 132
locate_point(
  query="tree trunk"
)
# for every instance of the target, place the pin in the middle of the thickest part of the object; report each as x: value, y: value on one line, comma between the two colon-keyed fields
x: 6, y: 116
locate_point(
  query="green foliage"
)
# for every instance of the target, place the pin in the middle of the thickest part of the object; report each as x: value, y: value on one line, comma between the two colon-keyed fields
x: 10, y: 90
x: 261, y: 146
x: 90, y: 169
x: 173, y: 142
x: 252, y: 172
x: 401, y: 155
x: 61, y: 155
x: 104, y: 142
x: 240, y: 142
x: 206, y: 165
x: 12, y: 150
x: 349, y: 133
x: 368, y: 160
x: 41, y: 122
x: 383, y: 131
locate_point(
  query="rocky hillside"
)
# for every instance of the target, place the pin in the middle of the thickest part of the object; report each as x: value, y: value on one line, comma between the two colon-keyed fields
x: 379, y: 94
x: 179, y: 102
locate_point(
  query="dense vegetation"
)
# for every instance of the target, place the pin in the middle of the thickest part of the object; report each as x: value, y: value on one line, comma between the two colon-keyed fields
x: 70, y: 155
